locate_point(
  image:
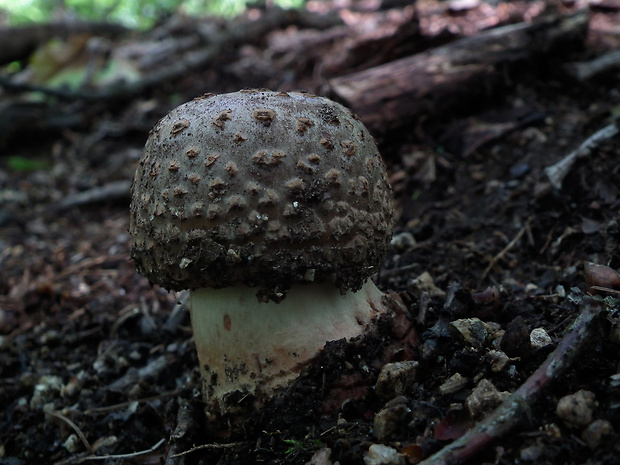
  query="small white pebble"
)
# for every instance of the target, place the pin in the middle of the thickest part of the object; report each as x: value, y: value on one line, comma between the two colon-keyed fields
x: 378, y: 454
x: 321, y: 457
x: 539, y: 338
x: 72, y: 443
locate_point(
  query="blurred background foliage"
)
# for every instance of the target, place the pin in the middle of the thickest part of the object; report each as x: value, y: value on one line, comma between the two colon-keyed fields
x: 141, y: 14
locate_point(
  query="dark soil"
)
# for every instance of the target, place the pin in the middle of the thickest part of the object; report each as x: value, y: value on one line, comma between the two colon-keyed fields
x: 96, y: 362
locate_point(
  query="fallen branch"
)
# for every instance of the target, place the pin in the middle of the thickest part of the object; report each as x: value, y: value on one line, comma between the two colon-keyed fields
x: 558, y: 171
x: 117, y: 190
x: 582, y: 71
x: 517, y: 406
x: 393, y: 95
x: 219, y: 42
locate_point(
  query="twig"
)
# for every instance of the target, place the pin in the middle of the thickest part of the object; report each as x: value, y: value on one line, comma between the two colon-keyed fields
x: 81, y: 459
x: 558, y: 171
x: 605, y: 289
x: 116, y: 190
x: 508, y: 415
x: 209, y: 446
x: 75, y: 427
x: 109, y: 408
x: 582, y: 71
x: 91, y: 262
x: 503, y: 252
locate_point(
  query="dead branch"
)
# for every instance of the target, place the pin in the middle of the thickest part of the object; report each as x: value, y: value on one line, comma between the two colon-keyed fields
x: 236, y: 34
x: 117, y: 190
x: 558, y: 171
x: 582, y: 71
x: 392, y: 95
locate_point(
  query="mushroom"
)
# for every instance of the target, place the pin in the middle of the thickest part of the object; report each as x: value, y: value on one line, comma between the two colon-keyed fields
x: 274, y: 209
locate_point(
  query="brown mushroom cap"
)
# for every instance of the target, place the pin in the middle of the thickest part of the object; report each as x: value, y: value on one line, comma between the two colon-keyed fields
x: 261, y: 188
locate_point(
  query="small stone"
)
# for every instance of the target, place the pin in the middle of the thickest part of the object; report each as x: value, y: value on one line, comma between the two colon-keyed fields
x: 483, y: 399
x: 72, y: 443
x: 403, y: 241
x: 531, y: 453
x: 539, y: 339
x: 453, y: 384
x: 321, y: 457
x: 576, y: 409
x: 378, y: 454
x: 391, y: 418
x: 44, y: 390
x: 516, y: 341
x: 594, y: 433
x: 395, y: 378
x: 471, y: 331
x: 498, y: 360
x: 425, y: 283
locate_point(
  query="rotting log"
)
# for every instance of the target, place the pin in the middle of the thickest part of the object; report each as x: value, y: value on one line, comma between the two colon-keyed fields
x: 393, y: 95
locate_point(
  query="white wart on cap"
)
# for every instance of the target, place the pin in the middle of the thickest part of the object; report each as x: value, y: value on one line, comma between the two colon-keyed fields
x: 278, y: 195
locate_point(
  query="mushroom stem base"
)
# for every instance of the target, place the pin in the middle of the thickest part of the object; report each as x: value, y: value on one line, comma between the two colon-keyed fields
x: 259, y: 347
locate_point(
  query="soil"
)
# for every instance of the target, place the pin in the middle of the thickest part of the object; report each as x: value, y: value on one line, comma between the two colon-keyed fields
x: 97, y: 365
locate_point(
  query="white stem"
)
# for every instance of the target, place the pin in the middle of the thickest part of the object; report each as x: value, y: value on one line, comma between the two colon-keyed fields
x: 257, y: 347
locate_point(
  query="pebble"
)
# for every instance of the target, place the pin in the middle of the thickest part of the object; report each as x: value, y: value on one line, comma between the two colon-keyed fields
x: 539, y: 339
x: 321, y: 457
x: 395, y: 378
x: 378, y: 454
x: 45, y: 390
x: 483, y: 399
x: 390, y: 419
x: 403, y: 241
x: 515, y: 341
x: 594, y: 433
x: 498, y: 360
x: 472, y: 331
x: 531, y: 453
x: 455, y: 383
x: 425, y: 283
x: 72, y: 444
x: 576, y: 409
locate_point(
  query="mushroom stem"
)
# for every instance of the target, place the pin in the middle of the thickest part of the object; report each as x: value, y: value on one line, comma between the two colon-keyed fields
x: 257, y: 347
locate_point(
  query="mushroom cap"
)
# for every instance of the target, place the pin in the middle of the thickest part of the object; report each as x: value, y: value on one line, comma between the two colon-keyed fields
x: 261, y: 188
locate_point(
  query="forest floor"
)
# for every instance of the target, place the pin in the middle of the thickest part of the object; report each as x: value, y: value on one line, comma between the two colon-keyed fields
x: 489, y: 258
